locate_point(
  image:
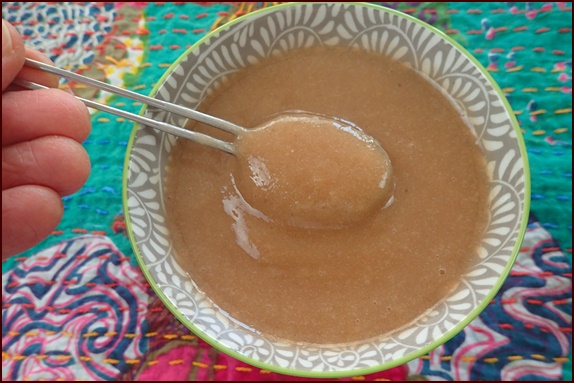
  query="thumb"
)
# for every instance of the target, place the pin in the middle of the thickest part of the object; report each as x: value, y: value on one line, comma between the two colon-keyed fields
x: 13, y: 53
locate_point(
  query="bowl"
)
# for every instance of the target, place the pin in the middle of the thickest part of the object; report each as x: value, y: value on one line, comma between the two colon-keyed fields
x: 280, y: 28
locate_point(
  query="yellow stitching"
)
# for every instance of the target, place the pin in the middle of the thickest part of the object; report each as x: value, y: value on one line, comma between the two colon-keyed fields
x: 515, y: 69
x: 113, y: 60
x: 561, y: 111
x: 539, y: 132
x: 560, y: 360
x: 560, y: 130
x: 530, y: 90
x: 537, y: 112
x: 249, y: 369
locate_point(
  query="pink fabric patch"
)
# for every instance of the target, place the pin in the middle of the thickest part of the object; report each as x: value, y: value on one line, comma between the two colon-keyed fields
x: 173, y: 365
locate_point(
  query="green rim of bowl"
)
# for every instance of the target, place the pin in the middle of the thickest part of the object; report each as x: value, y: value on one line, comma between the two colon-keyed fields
x: 345, y: 373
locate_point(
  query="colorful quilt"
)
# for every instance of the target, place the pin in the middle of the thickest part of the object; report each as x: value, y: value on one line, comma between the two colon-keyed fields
x: 77, y: 307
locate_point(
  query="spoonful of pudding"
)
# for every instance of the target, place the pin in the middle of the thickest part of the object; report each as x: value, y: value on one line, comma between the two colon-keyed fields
x: 313, y: 171
x: 299, y: 168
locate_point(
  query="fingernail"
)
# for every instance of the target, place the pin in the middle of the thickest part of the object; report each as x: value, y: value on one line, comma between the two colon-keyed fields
x: 6, y: 40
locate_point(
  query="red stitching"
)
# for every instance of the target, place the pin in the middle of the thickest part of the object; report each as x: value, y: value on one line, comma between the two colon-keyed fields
x: 549, y: 249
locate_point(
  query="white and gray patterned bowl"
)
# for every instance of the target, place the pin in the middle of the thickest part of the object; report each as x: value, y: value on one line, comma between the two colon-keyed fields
x: 280, y: 28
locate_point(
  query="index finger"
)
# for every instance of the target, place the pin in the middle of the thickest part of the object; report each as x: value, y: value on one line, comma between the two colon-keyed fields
x: 35, y: 75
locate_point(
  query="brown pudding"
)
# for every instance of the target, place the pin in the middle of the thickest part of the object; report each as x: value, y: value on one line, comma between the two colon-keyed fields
x: 326, y: 261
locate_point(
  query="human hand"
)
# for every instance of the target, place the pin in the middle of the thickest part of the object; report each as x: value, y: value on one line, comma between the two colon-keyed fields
x: 42, y: 158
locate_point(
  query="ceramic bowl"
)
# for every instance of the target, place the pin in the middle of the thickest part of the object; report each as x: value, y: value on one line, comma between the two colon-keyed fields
x: 277, y: 29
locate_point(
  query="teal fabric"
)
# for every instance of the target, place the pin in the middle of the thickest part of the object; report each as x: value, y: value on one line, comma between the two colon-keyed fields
x: 549, y: 153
